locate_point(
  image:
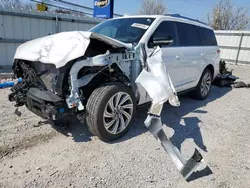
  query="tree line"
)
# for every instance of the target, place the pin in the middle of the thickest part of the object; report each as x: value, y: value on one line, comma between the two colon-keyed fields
x: 224, y: 15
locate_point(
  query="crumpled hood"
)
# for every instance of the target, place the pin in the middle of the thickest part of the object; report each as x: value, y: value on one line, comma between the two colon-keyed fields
x: 59, y: 49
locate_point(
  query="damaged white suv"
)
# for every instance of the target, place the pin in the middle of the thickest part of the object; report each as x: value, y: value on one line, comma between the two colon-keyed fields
x: 92, y: 74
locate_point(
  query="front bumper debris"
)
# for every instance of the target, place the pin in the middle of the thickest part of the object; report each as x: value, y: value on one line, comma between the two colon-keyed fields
x: 159, y: 86
x: 33, y: 93
x: 45, y: 104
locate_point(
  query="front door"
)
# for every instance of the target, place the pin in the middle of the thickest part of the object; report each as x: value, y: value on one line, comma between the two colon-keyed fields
x: 171, y: 54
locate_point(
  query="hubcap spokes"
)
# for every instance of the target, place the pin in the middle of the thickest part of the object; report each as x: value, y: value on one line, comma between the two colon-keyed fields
x: 118, y: 113
x: 206, y: 84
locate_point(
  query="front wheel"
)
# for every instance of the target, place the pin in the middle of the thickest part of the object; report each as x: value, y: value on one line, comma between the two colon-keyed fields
x: 204, y: 86
x: 110, y: 110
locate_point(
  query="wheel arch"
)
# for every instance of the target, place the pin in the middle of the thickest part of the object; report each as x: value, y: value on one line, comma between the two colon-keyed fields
x: 110, y: 74
x: 211, y: 68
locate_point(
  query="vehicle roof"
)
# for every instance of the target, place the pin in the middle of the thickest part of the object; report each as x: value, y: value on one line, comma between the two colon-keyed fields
x: 173, y: 17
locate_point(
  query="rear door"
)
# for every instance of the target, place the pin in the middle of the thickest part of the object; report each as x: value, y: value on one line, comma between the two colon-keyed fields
x: 191, y: 54
x: 210, y: 48
x: 170, y: 53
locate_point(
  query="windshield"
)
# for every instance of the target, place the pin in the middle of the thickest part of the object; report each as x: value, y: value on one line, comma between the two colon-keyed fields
x: 128, y: 30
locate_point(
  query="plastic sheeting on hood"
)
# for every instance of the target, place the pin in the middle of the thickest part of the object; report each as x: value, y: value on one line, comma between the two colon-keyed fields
x: 61, y: 48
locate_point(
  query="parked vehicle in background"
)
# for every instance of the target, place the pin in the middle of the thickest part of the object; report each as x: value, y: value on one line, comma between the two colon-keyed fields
x: 92, y: 74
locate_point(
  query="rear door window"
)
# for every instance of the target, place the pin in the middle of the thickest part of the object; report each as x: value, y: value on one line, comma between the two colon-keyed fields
x: 207, y: 36
x: 167, y: 29
x: 188, y: 35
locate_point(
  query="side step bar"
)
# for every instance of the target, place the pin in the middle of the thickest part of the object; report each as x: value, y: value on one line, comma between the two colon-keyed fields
x: 160, y: 88
x: 186, y: 168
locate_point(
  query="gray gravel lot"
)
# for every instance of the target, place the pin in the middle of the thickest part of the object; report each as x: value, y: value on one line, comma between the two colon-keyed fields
x: 33, y: 154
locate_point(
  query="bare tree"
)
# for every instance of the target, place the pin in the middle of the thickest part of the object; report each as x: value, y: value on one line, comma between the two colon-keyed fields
x: 226, y: 16
x: 151, y: 7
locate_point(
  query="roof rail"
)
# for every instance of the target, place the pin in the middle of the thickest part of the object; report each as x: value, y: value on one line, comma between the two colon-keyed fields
x: 184, y: 17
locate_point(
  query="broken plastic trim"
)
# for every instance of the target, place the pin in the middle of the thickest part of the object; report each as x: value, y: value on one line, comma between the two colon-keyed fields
x: 74, y: 100
x: 157, y: 82
x: 103, y: 60
x: 160, y: 88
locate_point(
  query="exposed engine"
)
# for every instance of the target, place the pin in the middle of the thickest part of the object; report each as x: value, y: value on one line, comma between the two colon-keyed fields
x: 36, y: 91
x: 30, y: 79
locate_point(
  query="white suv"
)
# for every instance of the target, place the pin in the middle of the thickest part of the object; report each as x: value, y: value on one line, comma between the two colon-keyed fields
x: 92, y: 74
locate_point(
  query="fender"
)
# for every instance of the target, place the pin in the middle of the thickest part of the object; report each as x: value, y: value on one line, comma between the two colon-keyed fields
x: 123, y: 60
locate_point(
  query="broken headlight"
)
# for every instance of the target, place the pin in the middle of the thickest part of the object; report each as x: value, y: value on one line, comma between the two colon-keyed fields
x: 48, y: 74
x: 49, y: 79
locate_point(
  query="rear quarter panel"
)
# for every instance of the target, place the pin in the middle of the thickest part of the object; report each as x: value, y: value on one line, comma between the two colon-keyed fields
x: 212, y: 57
x: 197, y: 65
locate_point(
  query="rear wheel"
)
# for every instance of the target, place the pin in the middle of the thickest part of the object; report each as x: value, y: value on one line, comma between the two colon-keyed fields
x: 110, y: 109
x: 204, y: 86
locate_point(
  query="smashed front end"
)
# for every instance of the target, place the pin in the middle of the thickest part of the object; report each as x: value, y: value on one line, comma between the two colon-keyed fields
x: 41, y: 89
x: 56, y: 71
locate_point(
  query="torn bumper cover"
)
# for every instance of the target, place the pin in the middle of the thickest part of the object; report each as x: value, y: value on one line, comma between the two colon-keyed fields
x: 32, y: 92
x: 159, y: 86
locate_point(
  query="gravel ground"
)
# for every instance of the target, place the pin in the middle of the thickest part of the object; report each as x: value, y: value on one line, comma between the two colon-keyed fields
x: 33, y: 154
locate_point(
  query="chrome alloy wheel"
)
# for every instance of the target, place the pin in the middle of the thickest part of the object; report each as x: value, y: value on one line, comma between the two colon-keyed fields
x: 206, y: 84
x: 118, y: 113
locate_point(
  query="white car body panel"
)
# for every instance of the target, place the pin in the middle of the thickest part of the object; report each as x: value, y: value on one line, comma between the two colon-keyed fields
x: 184, y: 64
x: 59, y: 49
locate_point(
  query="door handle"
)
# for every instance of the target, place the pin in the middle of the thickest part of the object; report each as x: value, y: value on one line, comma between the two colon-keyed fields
x: 203, y: 55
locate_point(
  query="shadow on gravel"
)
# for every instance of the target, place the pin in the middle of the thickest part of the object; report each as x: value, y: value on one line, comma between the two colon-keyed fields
x: 188, y: 127
x: 75, y: 129
x: 173, y: 117
x: 184, y: 127
x: 199, y: 174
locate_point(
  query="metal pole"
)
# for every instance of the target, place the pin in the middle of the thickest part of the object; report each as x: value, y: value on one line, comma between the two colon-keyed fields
x: 57, y: 25
x: 239, y: 48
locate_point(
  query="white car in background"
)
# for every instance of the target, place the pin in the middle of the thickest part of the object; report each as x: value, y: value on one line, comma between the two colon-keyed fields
x: 92, y: 74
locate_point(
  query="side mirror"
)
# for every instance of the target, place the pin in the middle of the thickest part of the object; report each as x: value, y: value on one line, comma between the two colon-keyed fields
x: 161, y: 41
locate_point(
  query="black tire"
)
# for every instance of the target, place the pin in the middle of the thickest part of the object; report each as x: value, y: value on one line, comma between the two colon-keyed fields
x: 96, y: 105
x: 197, y: 94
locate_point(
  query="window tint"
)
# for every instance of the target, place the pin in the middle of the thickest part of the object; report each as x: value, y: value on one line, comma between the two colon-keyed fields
x: 188, y: 35
x: 207, y: 36
x: 129, y: 30
x: 166, y: 30
x: 111, y: 31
